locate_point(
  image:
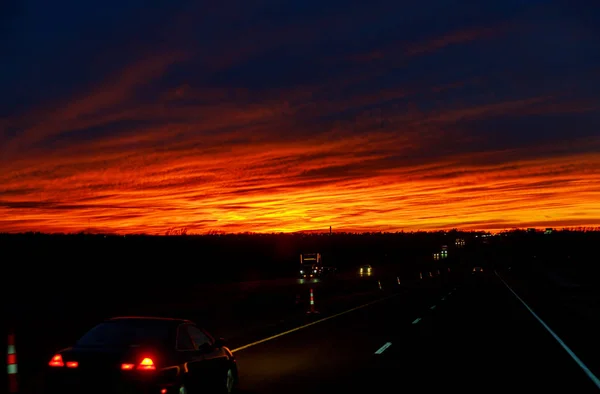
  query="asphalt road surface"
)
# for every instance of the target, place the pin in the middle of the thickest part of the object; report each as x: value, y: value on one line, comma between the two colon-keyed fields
x: 470, y: 336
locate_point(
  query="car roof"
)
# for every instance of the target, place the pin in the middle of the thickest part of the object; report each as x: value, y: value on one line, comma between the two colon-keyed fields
x: 152, y: 318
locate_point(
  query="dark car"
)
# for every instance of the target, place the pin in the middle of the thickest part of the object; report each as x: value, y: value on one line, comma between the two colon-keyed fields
x: 365, y: 270
x: 310, y: 271
x: 477, y: 270
x: 144, y: 355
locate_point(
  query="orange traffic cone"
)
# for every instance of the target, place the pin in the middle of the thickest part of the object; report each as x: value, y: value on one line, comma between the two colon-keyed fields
x: 398, y: 279
x: 312, y: 309
x: 11, y: 364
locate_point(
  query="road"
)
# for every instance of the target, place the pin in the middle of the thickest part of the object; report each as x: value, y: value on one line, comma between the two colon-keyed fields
x: 449, y: 332
x: 472, y: 335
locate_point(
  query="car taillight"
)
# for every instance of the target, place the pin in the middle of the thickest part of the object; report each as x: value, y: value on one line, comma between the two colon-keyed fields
x: 72, y: 364
x: 146, y: 365
x: 56, y: 361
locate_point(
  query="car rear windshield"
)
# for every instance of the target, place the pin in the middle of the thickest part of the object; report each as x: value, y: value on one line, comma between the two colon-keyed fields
x: 117, y: 333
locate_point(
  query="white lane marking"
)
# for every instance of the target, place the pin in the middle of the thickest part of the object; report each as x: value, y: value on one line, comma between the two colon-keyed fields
x: 311, y: 324
x: 585, y: 369
x: 432, y: 308
x: 418, y: 319
x: 382, y: 349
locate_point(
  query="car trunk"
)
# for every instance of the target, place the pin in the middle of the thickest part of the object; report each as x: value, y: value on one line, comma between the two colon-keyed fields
x: 100, y: 369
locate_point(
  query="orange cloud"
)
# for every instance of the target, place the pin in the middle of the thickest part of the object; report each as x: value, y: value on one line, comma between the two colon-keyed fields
x: 354, y: 183
x: 294, y: 159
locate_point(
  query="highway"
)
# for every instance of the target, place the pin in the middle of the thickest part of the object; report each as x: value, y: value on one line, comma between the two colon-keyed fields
x: 450, y: 332
x: 472, y: 335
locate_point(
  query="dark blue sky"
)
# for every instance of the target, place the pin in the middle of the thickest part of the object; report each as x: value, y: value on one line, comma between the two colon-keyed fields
x: 120, y: 97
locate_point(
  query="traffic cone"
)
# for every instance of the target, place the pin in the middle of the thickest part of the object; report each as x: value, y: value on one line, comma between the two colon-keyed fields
x: 431, y: 276
x: 420, y: 275
x: 398, y: 279
x: 379, y: 283
x: 11, y: 364
x: 312, y: 309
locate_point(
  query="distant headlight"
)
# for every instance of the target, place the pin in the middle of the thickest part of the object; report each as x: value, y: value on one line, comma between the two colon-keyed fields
x: 301, y: 271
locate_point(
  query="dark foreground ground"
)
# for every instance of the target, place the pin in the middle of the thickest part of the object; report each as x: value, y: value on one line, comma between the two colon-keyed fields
x: 529, y: 323
x: 452, y: 332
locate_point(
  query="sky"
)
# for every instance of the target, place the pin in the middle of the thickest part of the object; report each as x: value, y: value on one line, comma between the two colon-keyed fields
x: 131, y: 116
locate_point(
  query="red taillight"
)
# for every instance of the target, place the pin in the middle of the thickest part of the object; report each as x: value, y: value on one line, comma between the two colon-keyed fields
x: 56, y: 361
x: 72, y: 364
x: 146, y: 364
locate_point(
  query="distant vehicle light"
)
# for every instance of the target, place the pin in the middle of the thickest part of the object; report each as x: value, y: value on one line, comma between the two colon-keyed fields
x: 72, y: 364
x: 301, y: 271
x: 127, y: 367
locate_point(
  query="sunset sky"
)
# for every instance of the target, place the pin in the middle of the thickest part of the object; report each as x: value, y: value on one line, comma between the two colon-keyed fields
x: 130, y: 116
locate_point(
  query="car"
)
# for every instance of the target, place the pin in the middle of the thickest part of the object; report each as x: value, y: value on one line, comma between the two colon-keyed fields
x: 308, y: 271
x: 150, y: 355
x: 365, y: 270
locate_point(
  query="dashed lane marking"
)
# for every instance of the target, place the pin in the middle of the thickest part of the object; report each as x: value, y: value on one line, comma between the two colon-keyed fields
x: 382, y: 349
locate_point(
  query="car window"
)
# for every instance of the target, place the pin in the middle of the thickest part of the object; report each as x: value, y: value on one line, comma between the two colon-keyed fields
x: 126, y: 333
x: 199, y: 337
x: 184, y: 342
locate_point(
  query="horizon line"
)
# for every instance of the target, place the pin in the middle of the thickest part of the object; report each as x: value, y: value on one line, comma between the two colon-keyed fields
x: 183, y: 233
